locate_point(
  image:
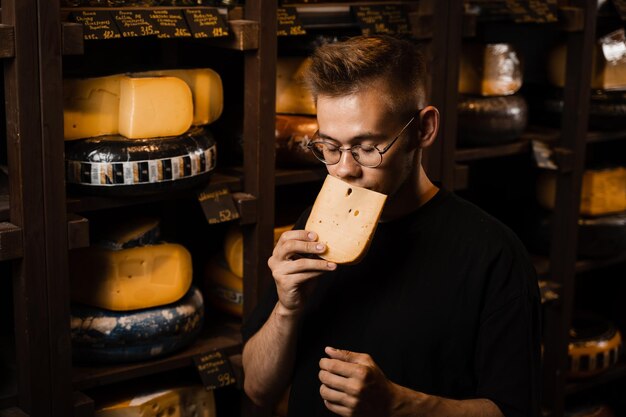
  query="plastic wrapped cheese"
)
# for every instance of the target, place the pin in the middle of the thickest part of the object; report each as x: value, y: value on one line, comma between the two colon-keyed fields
x: 490, y: 70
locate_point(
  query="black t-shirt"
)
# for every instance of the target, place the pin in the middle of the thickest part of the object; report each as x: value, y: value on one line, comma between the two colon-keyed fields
x: 446, y: 302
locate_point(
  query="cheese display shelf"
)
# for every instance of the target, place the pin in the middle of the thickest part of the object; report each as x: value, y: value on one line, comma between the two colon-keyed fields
x: 542, y: 264
x: 613, y: 374
x: 77, y: 203
x: 223, y: 335
x: 470, y: 154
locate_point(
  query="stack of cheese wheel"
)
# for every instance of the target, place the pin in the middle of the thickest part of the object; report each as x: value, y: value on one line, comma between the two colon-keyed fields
x: 607, y: 109
x: 602, y: 222
x: 158, y: 399
x: 223, y: 277
x: 132, y: 296
x: 142, y: 132
x: 490, y: 109
x: 595, y: 345
x: 296, y: 120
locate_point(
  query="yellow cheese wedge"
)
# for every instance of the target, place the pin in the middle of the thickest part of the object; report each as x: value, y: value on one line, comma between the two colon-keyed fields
x: 154, y: 106
x: 91, y: 106
x: 206, y: 89
x: 223, y: 288
x: 233, y: 247
x: 130, y: 279
x: 186, y: 401
x: 489, y: 70
x: 292, y: 96
x: 345, y: 218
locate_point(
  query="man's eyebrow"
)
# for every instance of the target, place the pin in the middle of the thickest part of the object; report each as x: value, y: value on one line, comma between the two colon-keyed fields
x: 357, y: 138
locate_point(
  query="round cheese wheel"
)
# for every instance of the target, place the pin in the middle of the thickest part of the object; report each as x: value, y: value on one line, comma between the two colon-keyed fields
x: 224, y: 290
x: 594, y: 345
x: 489, y: 69
x: 115, y: 165
x: 485, y: 121
x: 105, y: 336
x: 292, y: 135
x: 292, y: 95
x: 607, y: 110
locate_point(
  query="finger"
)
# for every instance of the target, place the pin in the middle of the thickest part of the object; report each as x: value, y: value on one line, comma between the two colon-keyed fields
x: 304, y: 265
x: 338, y: 409
x: 336, y: 397
x: 338, y: 367
x: 297, y: 235
x: 291, y: 247
x: 348, y: 356
x: 348, y: 386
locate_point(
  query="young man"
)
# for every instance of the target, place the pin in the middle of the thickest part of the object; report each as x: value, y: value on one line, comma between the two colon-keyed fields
x: 441, y: 317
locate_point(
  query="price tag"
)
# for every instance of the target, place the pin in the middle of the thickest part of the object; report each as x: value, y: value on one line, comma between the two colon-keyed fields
x: 169, y: 23
x: 218, y: 206
x: 289, y: 22
x: 206, y: 23
x: 620, y: 6
x: 134, y: 23
x: 97, y: 24
x: 391, y: 20
x: 543, y: 156
x: 215, y: 369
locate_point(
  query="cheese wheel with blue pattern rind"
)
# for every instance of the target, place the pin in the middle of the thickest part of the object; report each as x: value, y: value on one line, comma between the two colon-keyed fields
x: 118, y: 166
x: 110, y: 337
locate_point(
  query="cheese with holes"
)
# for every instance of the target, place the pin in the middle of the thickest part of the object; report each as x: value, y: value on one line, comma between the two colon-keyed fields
x: 91, y: 106
x: 154, y: 106
x: 233, y: 247
x: 608, y: 63
x: 144, y: 107
x: 206, y: 90
x: 489, y: 70
x: 223, y: 288
x: 184, y: 401
x: 602, y: 192
x: 129, y: 279
x: 345, y: 218
x: 292, y: 95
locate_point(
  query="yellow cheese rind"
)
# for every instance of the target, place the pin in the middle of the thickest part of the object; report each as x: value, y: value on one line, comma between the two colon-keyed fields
x: 185, y: 401
x: 130, y: 279
x: 206, y: 90
x: 292, y: 95
x: 91, y: 107
x: 345, y: 218
x: 152, y: 107
x: 489, y: 70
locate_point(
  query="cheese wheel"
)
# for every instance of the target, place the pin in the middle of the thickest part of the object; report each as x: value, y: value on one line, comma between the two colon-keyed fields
x: 345, y: 218
x: 130, y: 279
x: 487, y: 121
x: 292, y: 95
x: 224, y: 289
x: 594, y: 345
x: 174, y: 401
x: 105, y: 336
x: 607, y: 110
x: 117, y: 166
x: 206, y: 90
x: 233, y: 247
x: 293, y: 133
x: 128, y: 233
x: 489, y: 70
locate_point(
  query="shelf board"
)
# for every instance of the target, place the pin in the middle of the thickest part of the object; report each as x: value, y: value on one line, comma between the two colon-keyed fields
x: 472, y: 154
x: 225, y: 336
x: 4, y: 208
x: 81, y: 203
x: 542, y: 264
x: 610, y: 375
x: 298, y: 176
x: 7, y: 41
x: 605, y: 136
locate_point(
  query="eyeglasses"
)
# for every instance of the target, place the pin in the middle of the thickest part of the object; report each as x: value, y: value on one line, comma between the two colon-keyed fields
x: 367, y: 155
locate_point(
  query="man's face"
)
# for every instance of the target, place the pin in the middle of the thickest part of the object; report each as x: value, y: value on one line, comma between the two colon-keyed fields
x: 365, y: 118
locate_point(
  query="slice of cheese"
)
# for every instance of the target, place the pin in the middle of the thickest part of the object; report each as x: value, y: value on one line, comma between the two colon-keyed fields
x: 345, y: 218
x: 182, y: 401
x: 154, y: 106
x: 233, y: 247
x: 128, y: 279
x: 489, y: 70
x: 91, y: 106
x: 206, y: 89
x: 292, y: 96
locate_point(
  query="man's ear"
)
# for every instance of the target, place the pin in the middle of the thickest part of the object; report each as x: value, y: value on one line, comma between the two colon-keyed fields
x: 429, y: 126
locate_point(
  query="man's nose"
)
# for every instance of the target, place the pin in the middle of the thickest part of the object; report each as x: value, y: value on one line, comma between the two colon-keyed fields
x: 347, y: 165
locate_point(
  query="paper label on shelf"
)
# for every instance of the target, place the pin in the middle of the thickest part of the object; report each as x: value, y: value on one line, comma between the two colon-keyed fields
x: 387, y: 19
x: 169, y: 23
x: 215, y: 369
x: 134, y: 23
x: 289, y: 22
x: 206, y: 22
x: 218, y: 206
x: 543, y: 156
x: 97, y: 24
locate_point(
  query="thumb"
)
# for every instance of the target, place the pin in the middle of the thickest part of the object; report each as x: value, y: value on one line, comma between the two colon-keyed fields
x: 345, y: 355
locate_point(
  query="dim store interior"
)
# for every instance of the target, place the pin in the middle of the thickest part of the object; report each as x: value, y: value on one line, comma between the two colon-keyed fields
x: 535, y: 139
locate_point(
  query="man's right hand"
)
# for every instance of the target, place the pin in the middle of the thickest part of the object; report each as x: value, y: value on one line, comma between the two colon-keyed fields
x: 294, y: 269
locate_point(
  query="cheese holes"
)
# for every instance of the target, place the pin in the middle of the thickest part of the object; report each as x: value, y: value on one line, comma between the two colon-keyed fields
x: 356, y: 213
x: 348, y: 192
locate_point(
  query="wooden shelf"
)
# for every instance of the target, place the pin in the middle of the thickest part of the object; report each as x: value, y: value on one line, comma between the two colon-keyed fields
x: 224, y: 336
x: 7, y: 41
x: 298, y: 176
x: 4, y: 208
x: 612, y: 374
x: 81, y: 203
x: 472, y: 154
x: 11, y: 245
x: 542, y: 264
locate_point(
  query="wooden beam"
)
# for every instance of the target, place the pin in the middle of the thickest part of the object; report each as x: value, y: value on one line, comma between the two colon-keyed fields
x: 10, y: 241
